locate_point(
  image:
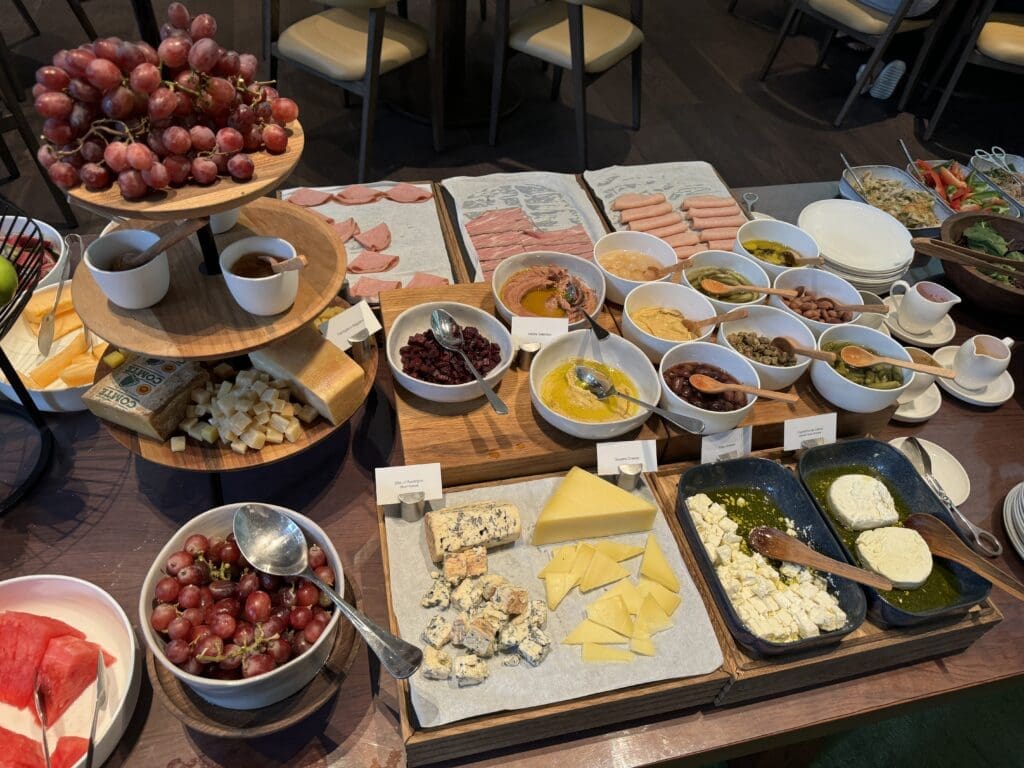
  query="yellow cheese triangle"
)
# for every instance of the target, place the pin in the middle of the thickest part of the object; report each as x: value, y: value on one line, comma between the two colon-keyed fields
x: 591, y: 632
x: 560, y: 562
x: 642, y: 645
x: 602, y: 570
x: 656, y: 568
x: 592, y: 652
x: 630, y: 594
x: 651, y: 618
x: 668, y: 601
x: 611, y: 612
x: 584, y: 553
x: 618, y: 551
x: 585, y: 505
x: 557, y: 586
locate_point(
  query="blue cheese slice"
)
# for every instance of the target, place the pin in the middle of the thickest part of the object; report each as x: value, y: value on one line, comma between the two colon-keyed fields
x: 860, y: 502
x: 899, y: 554
x: 481, y: 524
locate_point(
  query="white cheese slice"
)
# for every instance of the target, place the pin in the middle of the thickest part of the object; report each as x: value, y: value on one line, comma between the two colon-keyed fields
x: 861, y: 502
x: 899, y: 554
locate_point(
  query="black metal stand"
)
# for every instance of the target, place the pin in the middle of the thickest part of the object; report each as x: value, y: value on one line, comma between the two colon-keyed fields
x: 217, y: 489
x: 211, y: 257
x: 29, y: 412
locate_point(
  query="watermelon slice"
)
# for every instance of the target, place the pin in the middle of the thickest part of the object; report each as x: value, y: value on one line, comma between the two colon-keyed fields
x: 69, y: 751
x: 23, y: 641
x: 17, y: 751
x: 67, y: 669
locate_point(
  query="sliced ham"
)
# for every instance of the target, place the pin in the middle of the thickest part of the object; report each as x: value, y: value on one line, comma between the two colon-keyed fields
x: 408, y: 193
x: 683, y: 238
x: 369, y: 287
x: 372, y: 261
x: 719, y: 233
x: 494, y: 239
x: 346, y: 229
x: 425, y: 280
x: 709, y: 213
x: 558, y: 235
x: 718, y: 221
x: 707, y: 201
x: 656, y: 222
x: 632, y: 200
x: 308, y: 198
x: 721, y: 245
x: 357, y: 194
x: 499, y: 252
x: 501, y: 220
x: 671, y: 229
x: 645, y: 212
x: 686, y: 251
x: 375, y: 239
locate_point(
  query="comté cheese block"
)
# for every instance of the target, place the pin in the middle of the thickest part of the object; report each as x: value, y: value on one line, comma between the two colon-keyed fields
x: 617, y: 551
x: 560, y: 562
x: 146, y: 394
x: 588, y: 631
x: 480, y: 524
x: 656, y: 568
x: 319, y: 373
x: 668, y: 601
x: 631, y: 596
x: 611, y: 612
x: 602, y: 570
x: 642, y: 645
x: 592, y: 652
x: 584, y: 505
x: 557, y: 586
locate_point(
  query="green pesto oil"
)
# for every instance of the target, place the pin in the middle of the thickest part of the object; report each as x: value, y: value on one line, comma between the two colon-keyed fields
x: 749, y: 508
x: 940, y: 590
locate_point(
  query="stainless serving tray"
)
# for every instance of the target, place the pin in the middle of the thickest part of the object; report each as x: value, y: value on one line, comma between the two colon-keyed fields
x: 848, y: 189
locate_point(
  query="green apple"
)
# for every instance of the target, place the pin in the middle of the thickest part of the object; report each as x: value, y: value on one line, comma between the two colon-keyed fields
x: 8, y: 281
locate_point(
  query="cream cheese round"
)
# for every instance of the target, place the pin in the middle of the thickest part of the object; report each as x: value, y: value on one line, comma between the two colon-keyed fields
x: 899, y: 554
x: 860, y: 502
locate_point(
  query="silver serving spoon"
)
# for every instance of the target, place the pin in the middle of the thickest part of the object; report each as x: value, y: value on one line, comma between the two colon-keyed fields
x: 449, y: 335
x: 599, y: 385
x: 274, y: 544
x: 101, y: 703
x: 575, y: 298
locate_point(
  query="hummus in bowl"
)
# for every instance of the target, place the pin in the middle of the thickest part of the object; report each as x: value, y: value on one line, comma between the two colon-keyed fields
x: 541, y: 290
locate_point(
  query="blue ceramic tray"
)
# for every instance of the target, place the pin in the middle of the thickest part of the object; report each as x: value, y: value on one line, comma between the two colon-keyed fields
x: 784, y: 490
x: 906, y: 485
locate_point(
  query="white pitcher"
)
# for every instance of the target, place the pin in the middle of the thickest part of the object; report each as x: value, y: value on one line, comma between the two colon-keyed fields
x: 981, y: 360
x: 924, y: 304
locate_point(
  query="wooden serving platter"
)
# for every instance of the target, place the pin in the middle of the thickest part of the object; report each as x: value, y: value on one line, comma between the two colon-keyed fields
x: 478, y: 444
x: 866, y: 650
x: 198, y: 318
x: 194, y: 200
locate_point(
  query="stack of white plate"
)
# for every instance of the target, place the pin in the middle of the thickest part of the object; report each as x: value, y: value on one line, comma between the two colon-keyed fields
x: 1013, y: 517
x: 865, y: 246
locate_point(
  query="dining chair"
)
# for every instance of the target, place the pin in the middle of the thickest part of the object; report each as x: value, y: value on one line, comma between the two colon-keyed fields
x: 351, y: 44
x: 868, y: 26
x: 575, y: 35
x: 74, y: 5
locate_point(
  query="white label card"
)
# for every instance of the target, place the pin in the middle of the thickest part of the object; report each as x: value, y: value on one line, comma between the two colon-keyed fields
x: 733, y: 444
x: 539, y: 329
x: 392, y: 481
x: 342, y: 327
x: 817, y: 429
x: 610, y: 456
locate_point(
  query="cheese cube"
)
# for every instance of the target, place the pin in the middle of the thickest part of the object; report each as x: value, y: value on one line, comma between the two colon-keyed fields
x: 254, y: 439
x: 178, y: 443
x: 274, y: 436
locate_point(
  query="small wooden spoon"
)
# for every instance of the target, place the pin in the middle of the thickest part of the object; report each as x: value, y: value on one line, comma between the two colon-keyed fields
x: 706, y: 384
x: 859, y: 357
x: 786, y: 345
x: 880, y: 309
x: 723, y: 317
x: 805, y: 261
x: 773, y: 543
x: 175, y: 236
x: 280, y: 264
x: 675, y: 269
x: 719, y: 288
x: 944, y: 543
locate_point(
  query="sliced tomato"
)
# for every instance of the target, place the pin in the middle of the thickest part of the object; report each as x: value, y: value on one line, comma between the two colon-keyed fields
x: 948, y: 178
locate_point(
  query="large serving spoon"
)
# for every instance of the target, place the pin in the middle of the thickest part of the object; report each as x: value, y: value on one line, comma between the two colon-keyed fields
x: 575, y: 298
x: 787, y: 345
x: 859, y: 357
x: 719, y: 288
x: 694, y: 326
x: 175, y: 236
x: 773, y: 543
x: 601, y: 388
x: 37, y: 701
x: 449, y: 335
x: 273, y: 543
x: 706, y: 384
x: 944, y: 543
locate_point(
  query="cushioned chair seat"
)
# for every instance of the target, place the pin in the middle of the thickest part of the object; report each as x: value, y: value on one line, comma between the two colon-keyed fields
x: 543, y: 32
x: 861, y: 18
x: 334, y: 43
x: 1002, y: 38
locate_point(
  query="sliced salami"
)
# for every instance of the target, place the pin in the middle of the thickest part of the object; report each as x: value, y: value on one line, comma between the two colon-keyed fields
x: 357, y: 194
x: 375, y: 239
x: 372, y: 261
x: 408, y: 193
x: 309, y: 198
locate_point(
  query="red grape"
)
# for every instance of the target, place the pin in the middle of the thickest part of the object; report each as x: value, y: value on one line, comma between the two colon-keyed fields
x: 285, y: 598
x: 209, y: 648
x: 183, y: 108
x: 156, y: 176
x: 174, y: 51
x: 118, y: 103
x: 257, y: 664
x: 63, y: 174
x: 326, y: 574
x: 180, y: 628
x: 232, y: 657
x: 83, y: 91
x: 38, y: 89
x: 92, y: 150
x: 203, y: 140
x: 280, y: 650
x: 145, y: 78
x: 253, y: 139
x: 82, y: 117
x: 57, y: 131
x: 178, y: 16
x: 194, y: 667
x: 188, y: 597
x: 54, y: 104
x: 46, y: 156
x: 103, y: 74
x: 242, y: 119
x: 155, y: 141
x: 316, y: 556
x: 257, y: 606
x: 196, y: 544
x: 193, y: 615
x: 223, y: 625
x: 140, y: 157
x: 69, y: 154
x: 275, y: 139
x: 53, y: 78
x: 284, y: 110
x: 129, y: 56
x: 95, y: 176
x: 241, y: 167
x: 77, y: 60
x: 300, y: 616
x: 244, y: 633
x: 247, y: 64
x: 162, y: 104
x: 221, y: 163
x: 263, y: 111
x: 268, y: 581
x: 167, y: 589
x: 223, y: 588
x: 220, y: 90
x: 228, y: 605
x: 204, y: 54
x: 307, y: 594
x: 300, y: 644
x: 192, y: 574
x: 199, y: 632
x: 60, y: 59
x: 274, y: 625
x: 116, y: 157
x: 177, y: 652
x: 227, y: 65
x: 203, y: 26
x: 229, y: 140
x: 268, y: 93
x: 179, y: 168
x: 106, y: 48
x: 163, y: 615
x: 247, y: 584
x: 313, y: 631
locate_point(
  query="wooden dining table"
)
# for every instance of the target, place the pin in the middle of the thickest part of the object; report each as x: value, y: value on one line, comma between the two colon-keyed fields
x: 101, y: 514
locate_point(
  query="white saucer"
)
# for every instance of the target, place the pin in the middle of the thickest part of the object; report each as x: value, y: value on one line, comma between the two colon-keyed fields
x: 935, y: 337
x: 945, y: 468
x: 996, y: 393
x: 921, y: 408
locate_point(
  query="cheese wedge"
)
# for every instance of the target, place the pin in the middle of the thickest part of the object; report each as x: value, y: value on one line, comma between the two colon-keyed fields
x: 594, y: 653
x: 585, y: 505
x: 618, y: 551
x: 656, y: 568
x: 642, y: 645
x: 611, y: 612
x: 668, y: 601
x: 557, y: 586
x: 588, y: 631
x: 42, y: 302
x: 651, y: 618
x: 629, y: 593
x: 601, y: 570
x: 584, y: 554
x: 49, y: 370
x: 99, y: 349
x: 80, y: 372
x: 560, y: 562
x: 63, y: 324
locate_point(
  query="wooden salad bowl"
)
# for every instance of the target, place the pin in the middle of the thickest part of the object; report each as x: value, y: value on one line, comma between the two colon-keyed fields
x: 982, y: 290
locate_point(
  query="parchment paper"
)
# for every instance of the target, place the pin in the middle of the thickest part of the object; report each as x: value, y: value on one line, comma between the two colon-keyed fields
x: 688, y: 648
x: 551, y: 200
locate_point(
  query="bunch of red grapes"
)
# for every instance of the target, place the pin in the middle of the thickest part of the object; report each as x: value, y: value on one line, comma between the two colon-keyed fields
x: 225, y: 620
x: 148, y: 119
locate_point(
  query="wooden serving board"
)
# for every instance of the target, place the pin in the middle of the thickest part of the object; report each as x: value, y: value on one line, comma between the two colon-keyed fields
x: 193, y: 200
x: 866, y: 650
x: 509, y: 729
x: 478, y: 444
x: 198, y: 318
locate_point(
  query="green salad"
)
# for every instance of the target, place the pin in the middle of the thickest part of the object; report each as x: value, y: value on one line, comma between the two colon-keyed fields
x: 983, y: 237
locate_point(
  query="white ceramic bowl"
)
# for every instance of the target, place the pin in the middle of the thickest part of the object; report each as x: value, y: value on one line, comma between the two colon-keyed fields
x: 260, y: 295
x: 614, y: 352
x: 780, y: 232
x: 585, y: 270
x: 88, y: 609
x: 870, y: 319
x: 253, y: 692
x: 655, y: 247
x: 772, y: 322
x: 692, y: 304
x: 821, y: 284
x: 846, y: 394
x: 733, y: 363
x: 748, y: 267
x: 137, y: 288
x: 417, y: 320
x: 50, y: 235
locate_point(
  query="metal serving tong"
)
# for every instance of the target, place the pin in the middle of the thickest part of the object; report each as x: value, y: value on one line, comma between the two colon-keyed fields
x: 101, y: 702
x: 49, y: 321
x: 37, y: 700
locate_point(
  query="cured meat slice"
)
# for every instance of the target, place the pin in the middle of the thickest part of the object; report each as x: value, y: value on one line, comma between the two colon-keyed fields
x: 671, y: 229
x: 346, y: 229
x: 645, y: 212
x: 425, y: 280
x: 495, y: 239
x: 718, y: 221
x: 656, y: 222
x: 375, y: 239
x: 69, y: 751
x: 372, y: 261
x: 499, y: 252
x: 408, y: 193
x: 719, y: 233
x: 686, y: 251
x: 633, y: 200
x: 575, y: 234
x: 707, y: 213
x: 357, y: 194
x: 67, y: 669
x: 369, y: 288
x: 720, y: 245
x: 308, y: 198
x: 707, y: 201
x: 501, y: 220
x: 17, y: 751
x: 23, y: 641
x: 682, y: 238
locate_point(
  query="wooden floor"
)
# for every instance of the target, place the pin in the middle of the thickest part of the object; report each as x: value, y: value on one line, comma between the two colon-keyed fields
x: 702, y: 100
